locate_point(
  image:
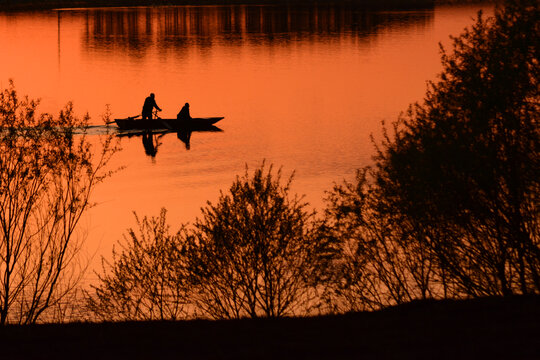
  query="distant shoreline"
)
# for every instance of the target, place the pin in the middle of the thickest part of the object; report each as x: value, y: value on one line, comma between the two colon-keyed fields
x: 16, y: 5
x: 29, y: 5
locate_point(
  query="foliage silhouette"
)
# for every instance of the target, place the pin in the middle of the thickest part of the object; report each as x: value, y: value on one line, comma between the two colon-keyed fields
x: 467, y: 159
x: 450, y: 207
x: 257, y: 252
x: 48, y: 169
x: 381, y: 262
x: 448, y: 210
x: 148, y: 279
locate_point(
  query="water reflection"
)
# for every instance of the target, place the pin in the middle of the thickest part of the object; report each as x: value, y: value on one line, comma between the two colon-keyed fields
x: 306, y: 100
x: 151, y: 143
x: 152, y: 139
x: 175, y: 27
x: 185, y: 137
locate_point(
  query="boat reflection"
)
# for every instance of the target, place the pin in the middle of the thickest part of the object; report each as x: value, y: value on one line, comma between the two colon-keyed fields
x: 151, y: 139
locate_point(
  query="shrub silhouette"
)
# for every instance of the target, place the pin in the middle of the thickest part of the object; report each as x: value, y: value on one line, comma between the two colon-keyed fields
x: 381, y: 262
x: 48, y: 170
x: 256, y: 252
x: 147, y: 279
x: 450, y: 207
x: 467, y: 159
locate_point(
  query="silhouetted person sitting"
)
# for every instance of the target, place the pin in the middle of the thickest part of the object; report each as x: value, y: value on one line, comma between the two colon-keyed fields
x: 185, y: 137
x: 184, y: 113
x: 149, y: 105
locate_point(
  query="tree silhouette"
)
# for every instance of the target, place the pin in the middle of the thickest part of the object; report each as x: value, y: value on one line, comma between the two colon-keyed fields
x: 48, y: 170
x: 464, y: 164
x: 450, y: 206
x: 256, y: 252
x: 147, y: 279
x: 382, y: 259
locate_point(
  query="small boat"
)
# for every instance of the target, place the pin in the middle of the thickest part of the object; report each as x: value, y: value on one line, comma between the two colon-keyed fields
x: 193, y: 124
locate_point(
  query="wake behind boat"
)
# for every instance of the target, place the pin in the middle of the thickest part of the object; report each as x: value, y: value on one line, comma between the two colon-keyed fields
x: 193, y: 124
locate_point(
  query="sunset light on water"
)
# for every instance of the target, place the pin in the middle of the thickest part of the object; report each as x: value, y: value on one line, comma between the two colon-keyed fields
x: 300, y: 87
x: 269, y: 179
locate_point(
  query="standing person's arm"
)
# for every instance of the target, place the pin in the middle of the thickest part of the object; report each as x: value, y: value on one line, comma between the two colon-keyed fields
x: 156, y: 106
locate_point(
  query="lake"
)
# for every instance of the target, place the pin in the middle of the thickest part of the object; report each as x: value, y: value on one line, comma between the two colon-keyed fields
x: 302, y: 87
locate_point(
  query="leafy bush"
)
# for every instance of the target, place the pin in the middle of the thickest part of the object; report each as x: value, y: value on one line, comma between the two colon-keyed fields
x: 48, y: 170
x: 147, y: 279
x: 257, y: 252
x: 450, y: 207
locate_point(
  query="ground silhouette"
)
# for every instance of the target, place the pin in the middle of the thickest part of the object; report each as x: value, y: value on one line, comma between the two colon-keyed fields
x: 488, y: 328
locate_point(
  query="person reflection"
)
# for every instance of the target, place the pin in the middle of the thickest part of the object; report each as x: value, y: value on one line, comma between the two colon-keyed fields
x: 184, y: 113
x: 148, y: 143
x: 149, y: 105
x: 185, y: 137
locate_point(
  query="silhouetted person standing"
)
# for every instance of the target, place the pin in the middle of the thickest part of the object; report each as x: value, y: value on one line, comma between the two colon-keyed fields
x: 149, y: 105
x: 184, y: 113
x: 148, y: 142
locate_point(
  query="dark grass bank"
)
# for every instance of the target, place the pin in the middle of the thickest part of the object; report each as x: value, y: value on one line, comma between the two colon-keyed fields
x: 491, y: 328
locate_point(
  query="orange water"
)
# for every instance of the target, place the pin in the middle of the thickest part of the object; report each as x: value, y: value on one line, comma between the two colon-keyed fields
x: 302, y: 88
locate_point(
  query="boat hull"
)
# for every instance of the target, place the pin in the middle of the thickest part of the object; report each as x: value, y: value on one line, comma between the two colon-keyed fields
x: 193, y: 124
